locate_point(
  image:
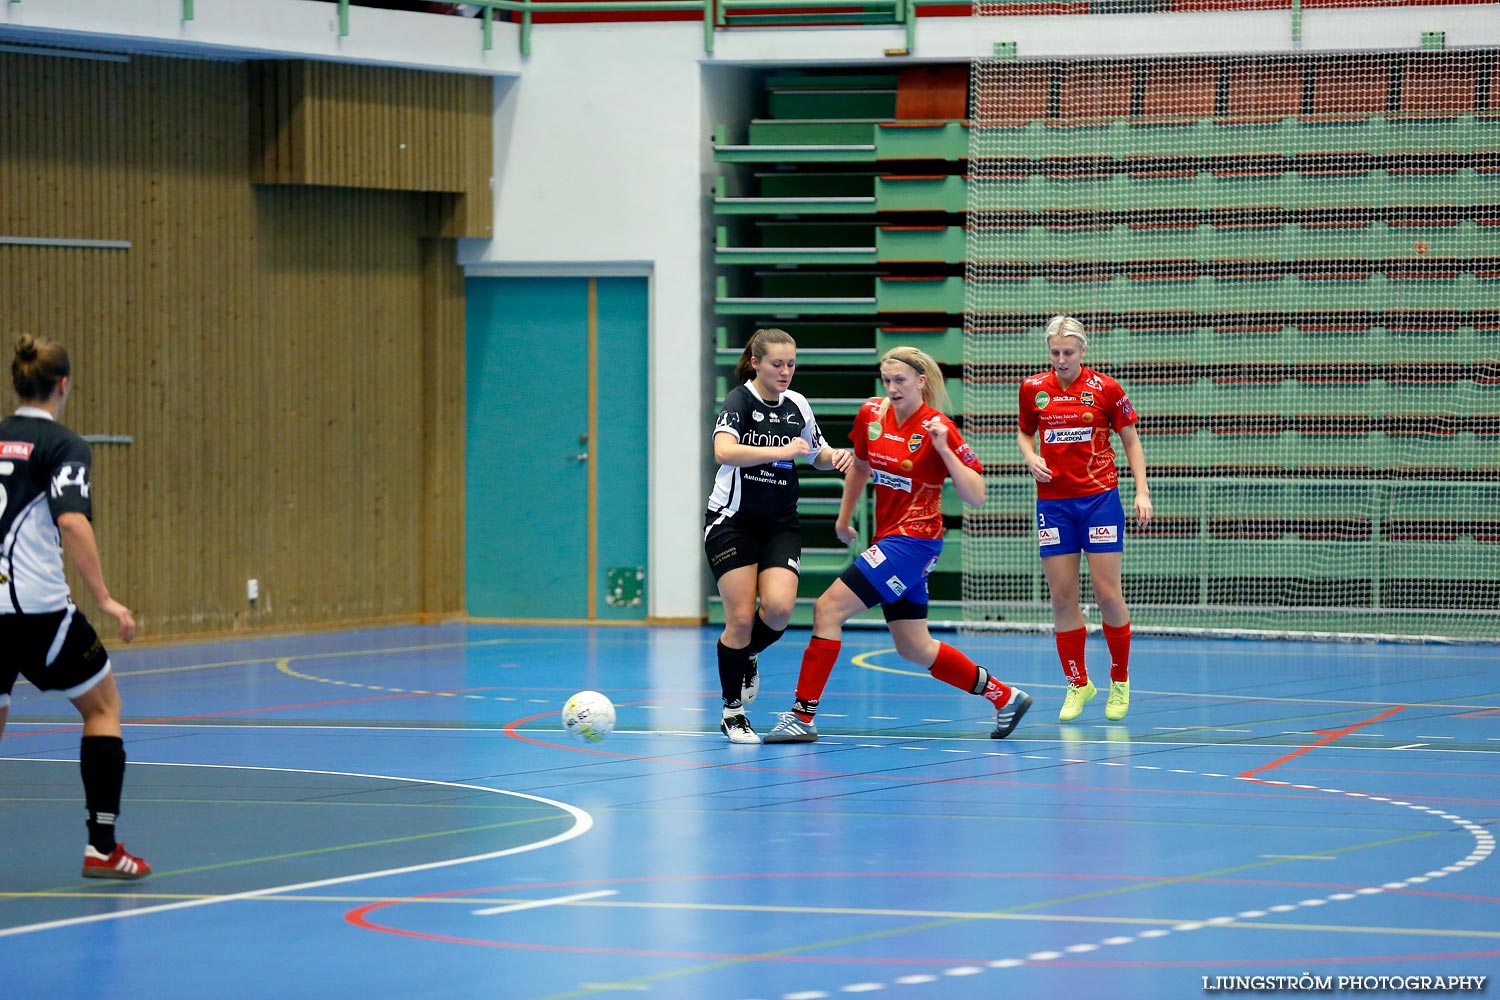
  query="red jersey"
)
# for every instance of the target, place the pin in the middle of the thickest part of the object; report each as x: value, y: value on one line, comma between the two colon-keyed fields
x: 1075, y: 423
x: 906, y: 468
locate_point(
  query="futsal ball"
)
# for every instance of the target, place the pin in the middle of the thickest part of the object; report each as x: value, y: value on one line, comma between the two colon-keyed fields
x: 589, y: 715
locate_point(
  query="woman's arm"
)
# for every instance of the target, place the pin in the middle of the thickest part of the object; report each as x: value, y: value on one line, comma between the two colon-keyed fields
x: 83, y: 551
x: 1135, y: 455
x: 729, y: 451
x: 968, y: 483
x: 854, y: 488
x: 1029, y: 457
x: 834, y: 458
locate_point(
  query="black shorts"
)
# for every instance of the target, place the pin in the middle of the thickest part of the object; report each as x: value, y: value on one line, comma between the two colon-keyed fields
x: 56, y: 651
x: 730, y: 543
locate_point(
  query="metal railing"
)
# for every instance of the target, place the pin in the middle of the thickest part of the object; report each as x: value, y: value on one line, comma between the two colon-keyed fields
x: 715, y: 14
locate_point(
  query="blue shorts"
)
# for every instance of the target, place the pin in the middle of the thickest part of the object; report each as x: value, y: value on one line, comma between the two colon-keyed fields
x: 1090, y: 524
x: 897, y: 567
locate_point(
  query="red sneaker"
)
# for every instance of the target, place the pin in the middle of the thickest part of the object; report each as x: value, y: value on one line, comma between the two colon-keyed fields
x: 117, y: 864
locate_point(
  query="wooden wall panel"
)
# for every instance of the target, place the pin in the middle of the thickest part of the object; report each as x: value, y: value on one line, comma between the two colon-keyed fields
x: 349, y: 125
x: 267, y: 348
x: 443, y: 396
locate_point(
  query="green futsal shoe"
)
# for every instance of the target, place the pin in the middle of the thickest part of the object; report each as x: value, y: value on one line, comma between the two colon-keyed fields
x: 1119, y: 701
x: 1076, y: 699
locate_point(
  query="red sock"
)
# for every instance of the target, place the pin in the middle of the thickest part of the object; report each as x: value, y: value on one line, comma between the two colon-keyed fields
x: 953, y: 667
x: 997, y: 691
x: 1070, y: 652
x: 817, y: 663
x: 1119, y: 651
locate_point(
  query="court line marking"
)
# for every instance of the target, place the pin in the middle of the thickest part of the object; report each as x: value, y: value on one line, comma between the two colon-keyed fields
x: 582, y: 823
x: 1483, y: 848
x: 715, y: 738
x: 1329, y: 736
x: 491, y: 911
x: 862, y: 661
x: 804, y: 910
x: 330, y: 654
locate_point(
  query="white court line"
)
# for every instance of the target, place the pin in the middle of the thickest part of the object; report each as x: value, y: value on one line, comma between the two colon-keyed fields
x: 582, y: 823
x: 714, y: 735
x: 490, y: 911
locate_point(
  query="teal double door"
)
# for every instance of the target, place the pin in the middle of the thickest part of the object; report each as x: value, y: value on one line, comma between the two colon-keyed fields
x: 557, y: 383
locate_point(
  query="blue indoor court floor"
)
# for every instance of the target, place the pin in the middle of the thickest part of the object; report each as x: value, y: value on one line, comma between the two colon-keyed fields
x: 397, y: 813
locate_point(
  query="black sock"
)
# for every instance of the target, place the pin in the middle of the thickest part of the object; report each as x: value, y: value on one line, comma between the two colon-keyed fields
x: 101, y: 759
x: 761, y: 636
x: 733, y: 664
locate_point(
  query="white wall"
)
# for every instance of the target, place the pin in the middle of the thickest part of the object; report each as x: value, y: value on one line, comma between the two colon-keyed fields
x: 602, y: 153
x: 598, y: 170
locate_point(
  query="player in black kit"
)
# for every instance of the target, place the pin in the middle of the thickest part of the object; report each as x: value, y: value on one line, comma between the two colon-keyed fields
x: 45, y: 510
x: 751, y: 533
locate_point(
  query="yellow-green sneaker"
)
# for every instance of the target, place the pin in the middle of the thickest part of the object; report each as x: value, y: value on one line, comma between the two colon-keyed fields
x: 1076, y: 699
x: 1119, y: 701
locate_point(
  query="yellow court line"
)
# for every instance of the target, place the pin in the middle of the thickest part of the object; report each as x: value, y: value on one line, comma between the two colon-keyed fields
x: 862, y: 661
x: 332, y: 654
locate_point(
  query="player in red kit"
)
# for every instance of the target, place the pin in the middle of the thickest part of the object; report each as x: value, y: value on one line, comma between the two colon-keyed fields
x: 1071, y: 410
x: 908, y: 446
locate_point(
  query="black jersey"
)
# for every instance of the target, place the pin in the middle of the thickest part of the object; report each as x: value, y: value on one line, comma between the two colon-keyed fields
x: 44, y: 472
x: 763, y: 492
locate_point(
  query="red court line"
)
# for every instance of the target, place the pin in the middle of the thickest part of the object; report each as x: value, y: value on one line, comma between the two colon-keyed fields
x: 1488, y: 776
x: 1329, y: 735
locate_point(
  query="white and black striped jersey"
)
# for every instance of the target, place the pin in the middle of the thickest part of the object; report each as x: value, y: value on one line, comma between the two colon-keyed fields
x: 44, y: 472
x: 763, y: 492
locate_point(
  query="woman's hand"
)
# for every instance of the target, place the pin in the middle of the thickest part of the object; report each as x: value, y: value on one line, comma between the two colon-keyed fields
x: 1143, y: 510
x: 937, y: 429
x: 121, y: 614
x: 1040, y: 472
x: 842, y: 458
x: 845, y: 531
x: 795, y: 448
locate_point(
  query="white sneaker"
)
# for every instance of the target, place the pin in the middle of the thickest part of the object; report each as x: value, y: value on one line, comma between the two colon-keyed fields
x: 737, y: 728
x: 751, y: 686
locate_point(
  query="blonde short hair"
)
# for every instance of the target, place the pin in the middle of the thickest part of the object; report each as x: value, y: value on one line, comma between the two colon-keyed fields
x: 1067, y: 326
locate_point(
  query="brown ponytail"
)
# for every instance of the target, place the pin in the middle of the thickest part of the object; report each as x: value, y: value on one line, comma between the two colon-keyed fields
x: 38, y: 366
x: 744, y: 371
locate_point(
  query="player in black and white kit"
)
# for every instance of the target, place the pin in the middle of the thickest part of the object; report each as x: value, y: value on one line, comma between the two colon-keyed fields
x: 45, y: 510
x: 751, y: 533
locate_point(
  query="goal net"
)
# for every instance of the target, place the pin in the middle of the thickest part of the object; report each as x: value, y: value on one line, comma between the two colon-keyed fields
x: 1292, y: 265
